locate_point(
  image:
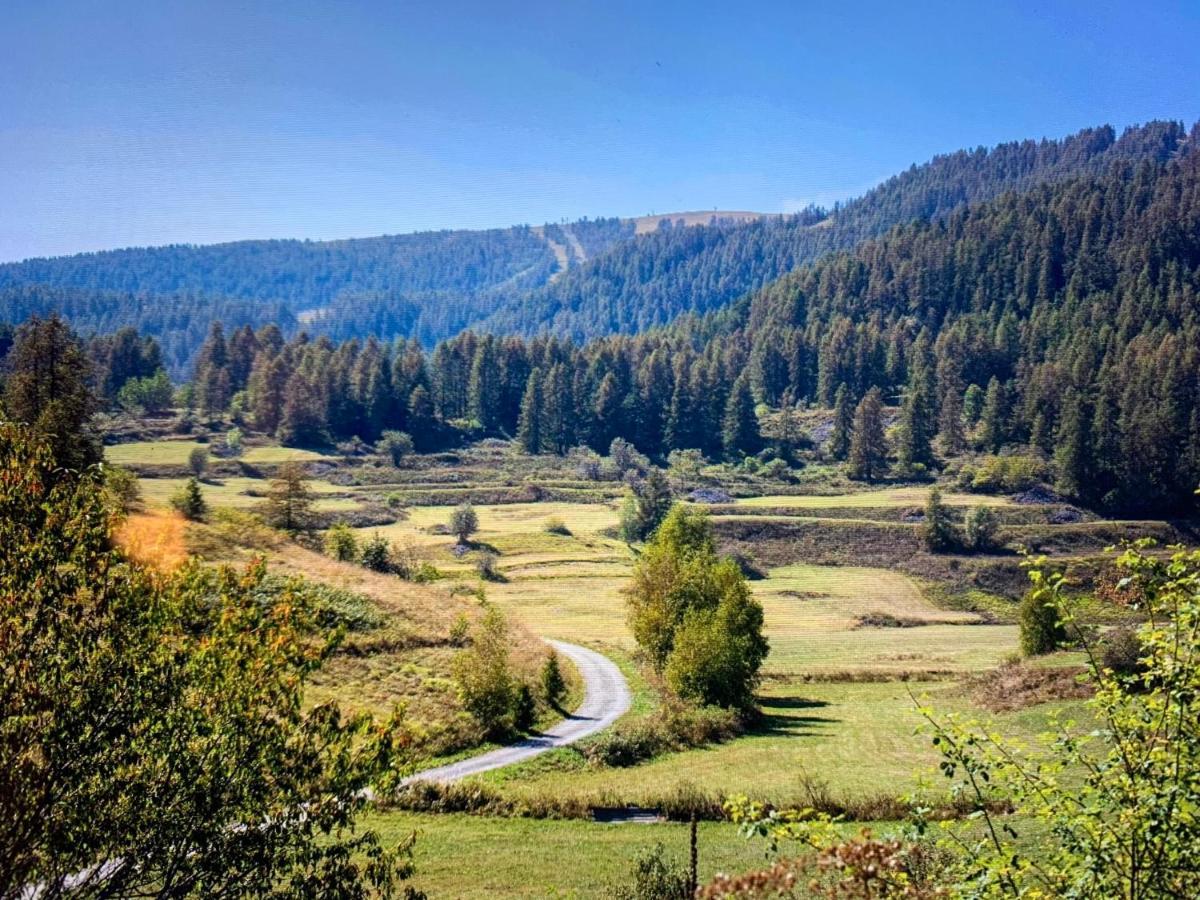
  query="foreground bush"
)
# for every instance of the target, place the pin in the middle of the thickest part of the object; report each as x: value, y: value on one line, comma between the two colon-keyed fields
x: 153, y: 735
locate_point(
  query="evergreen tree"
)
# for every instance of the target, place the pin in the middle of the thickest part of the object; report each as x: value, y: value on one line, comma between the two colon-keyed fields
x: 289, y: 499
x: 529, y: 427
x: 48, y: 389
x: 190, y: 501
x: 938, y: 531
x: 646, y: 505
x: 1072, y: 446
x: 302, y: 423
x: 993, y: 425
x: 268, y: 384
x: 868, y: 445
x: 950, y: 422
x: 484, y: 389
x: 422, y: 424
x: 740, y: 434
x: 973, y: 402
x: 914, y: 449
x: 843, y: 423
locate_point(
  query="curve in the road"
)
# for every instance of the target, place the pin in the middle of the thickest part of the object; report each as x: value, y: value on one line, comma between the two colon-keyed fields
x: 606, y: 698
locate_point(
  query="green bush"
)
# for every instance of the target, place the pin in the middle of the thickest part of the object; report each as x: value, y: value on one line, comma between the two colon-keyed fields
x: 654, y: 876
x: 1003, y: 474
x: 190, y: 501
x: 341, y: 544
x: 464, y: 522
x: 377, y: 553
x: 396, y: 445
x: 938, y: 531
x: 554, y: 686
x: 979, y: 528
x: 1042, y: 630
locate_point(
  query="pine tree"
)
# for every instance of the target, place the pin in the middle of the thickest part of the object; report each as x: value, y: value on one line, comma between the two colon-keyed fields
x: 529, y: 427
x: 190, y: 501
x: 973, y: 401
x: 302, y: 423
x: 268, y: 382
x: 422, y: 424
x: 868, y: 445
x: 740, y: 434
x: 1072, y: 445
x: 558, y: 418
x: 48, y: 389
x: 914, y: 449
x: 843, y: 423
x: 289, y: 499
x: 485, y: 386
x: 994, y: 428
x: 950, y: 421
x: 938, y: 531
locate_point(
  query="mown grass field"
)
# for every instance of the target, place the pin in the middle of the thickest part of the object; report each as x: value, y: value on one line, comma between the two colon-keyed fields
x: 470, y: 856
x: 175, y: 453
x: 890, y: 497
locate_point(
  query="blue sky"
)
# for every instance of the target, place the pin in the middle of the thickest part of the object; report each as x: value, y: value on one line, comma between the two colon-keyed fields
x: 134, y: 123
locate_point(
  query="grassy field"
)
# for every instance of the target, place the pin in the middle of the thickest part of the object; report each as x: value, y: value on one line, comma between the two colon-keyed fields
x: 234, y: 492
x: 891, y: 497
x: 467, y: 856
x: 175, y: 453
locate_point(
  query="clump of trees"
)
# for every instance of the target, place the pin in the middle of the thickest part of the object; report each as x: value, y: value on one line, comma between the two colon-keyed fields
x: 488, y: 688
x: 185, y: 688
x: 693, y: 615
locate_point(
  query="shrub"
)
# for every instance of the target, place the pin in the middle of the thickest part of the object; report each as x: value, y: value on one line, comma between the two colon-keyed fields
x: 233, y: 442
x: 486, y: 566
x: 340, y: 543
x: 198, y: 461
x: 396, y: 445
x: 121, y: 485
x: 464, y: 522
x: 555, y: 525
x: 979, y: 529
x: 1042, y: 630
x: 1123, y: 652
x: 189, y: 501
x: 377, y: 553
x: 1004, y: 474
x: 460, y: 630
x: 554, y: 686
x: 486, y: 686
x: 938, y: 531
x: 655, y: 876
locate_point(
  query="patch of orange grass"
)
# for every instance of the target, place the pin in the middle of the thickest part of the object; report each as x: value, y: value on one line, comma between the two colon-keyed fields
x: 154, y: 539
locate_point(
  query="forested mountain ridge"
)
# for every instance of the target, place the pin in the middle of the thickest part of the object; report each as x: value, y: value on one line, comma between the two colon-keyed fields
x: 581, y: 280
x: 1059, y: 325
x: 657, y: 277
x: 427, y: 285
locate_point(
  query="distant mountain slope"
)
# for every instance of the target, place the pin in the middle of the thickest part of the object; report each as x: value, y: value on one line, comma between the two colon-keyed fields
x: 657, y: 276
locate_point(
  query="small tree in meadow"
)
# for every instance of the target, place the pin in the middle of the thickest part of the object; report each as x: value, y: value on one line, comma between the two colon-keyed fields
x: 646, y: 505
x: 1042, y: 629
x: 377, y: 553
x: 190, y: 501
x: 289, y: 500
x: 233, y: 442
x: 979, y: 529
x: 198, y: 461
x: 938, y: 531
x: 464, y: 522
x: 397, y: 445
x: 341, y: 544
x: 486, y: 686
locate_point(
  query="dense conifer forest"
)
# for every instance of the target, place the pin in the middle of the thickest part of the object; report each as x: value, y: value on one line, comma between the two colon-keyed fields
x: 1061, y: 321
x: 583, y: 280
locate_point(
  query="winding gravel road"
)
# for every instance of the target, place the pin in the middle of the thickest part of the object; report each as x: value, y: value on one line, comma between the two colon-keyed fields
x: 605, y: 699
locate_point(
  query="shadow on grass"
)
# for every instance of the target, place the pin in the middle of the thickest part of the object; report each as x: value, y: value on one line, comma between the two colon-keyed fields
x: 768, y: 723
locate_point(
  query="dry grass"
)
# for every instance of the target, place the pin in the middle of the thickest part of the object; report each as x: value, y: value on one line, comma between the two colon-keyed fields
x: 156, y: 539
x: 890, y: 497
x: 1017, y: 685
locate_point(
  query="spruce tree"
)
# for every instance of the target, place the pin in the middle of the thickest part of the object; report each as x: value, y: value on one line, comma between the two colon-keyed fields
x: 484, y: 388
x: 994, y: 423
x: 938, y: 531
x: 740, y: 435
x: 915, y: 449
x: 843, y: 423
x: 289, y: 499
x: 950, y: 422
x: 303, y: 421
x: 1072, y: 445
x: 48, y: 389
x: 529, y: 426
x: 422, y: 424
x: 868, y: 445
